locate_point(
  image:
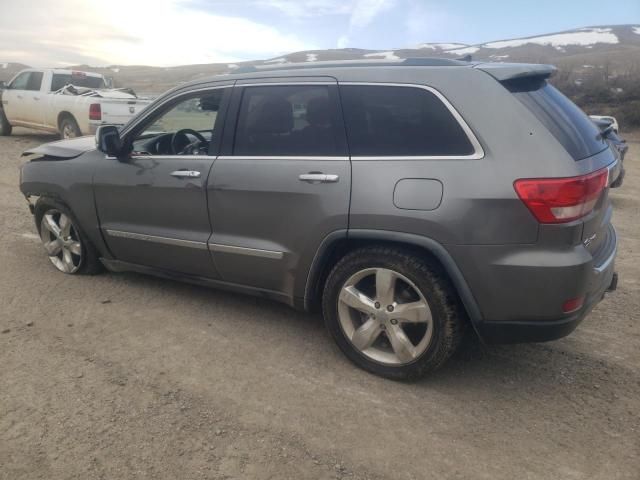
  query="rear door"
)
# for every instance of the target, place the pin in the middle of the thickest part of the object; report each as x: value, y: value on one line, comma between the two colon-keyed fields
x: 282, y: 183
x: 152, y: 206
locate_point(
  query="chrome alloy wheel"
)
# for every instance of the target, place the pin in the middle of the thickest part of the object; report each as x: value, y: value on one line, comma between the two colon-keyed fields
x: 385, y: 316
x: 61, y: 241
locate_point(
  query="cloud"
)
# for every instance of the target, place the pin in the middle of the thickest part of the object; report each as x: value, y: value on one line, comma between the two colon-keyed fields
x: 156, y: 32
x: 307, y: 8
x: 364, y: 11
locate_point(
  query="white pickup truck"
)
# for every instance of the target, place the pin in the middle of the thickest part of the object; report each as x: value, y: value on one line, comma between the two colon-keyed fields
x: 69, y: 102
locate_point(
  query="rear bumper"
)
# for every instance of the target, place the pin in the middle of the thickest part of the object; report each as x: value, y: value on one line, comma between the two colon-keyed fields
x: 544, y: 331
x: 527, y: 292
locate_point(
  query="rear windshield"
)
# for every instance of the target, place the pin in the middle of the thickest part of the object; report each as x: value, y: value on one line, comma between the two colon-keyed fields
x: 59, y: 80
x: 572, y: 128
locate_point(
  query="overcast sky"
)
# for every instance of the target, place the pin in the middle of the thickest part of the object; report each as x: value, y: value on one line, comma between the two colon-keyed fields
x: 180, y: 32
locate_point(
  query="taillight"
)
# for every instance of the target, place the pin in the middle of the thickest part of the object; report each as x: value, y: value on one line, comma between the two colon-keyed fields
x: 573, y: 305
x: 95, y: 111
x: 561, y: 200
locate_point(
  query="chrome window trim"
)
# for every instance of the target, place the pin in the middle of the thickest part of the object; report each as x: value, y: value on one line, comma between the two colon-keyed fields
x: 282, y: 157
x: 478, y: 151
x: 172, y: 157
x: 254, y: 252
x: 156, y: 239
x: 284, y: 84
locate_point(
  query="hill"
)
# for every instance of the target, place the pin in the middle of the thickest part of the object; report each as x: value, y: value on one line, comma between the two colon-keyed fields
x: 599, y: 66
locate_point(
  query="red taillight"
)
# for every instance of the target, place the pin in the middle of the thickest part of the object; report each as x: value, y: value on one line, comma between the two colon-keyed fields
x: 560, y: 200
x: 95, y: 112
x: 573, y: 305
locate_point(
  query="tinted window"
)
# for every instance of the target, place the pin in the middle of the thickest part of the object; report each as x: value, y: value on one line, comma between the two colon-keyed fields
x: 59, y: 80
x: 570, y: 125
x: 287, y: 120
x: 35, y: 81
x: 400, y: 121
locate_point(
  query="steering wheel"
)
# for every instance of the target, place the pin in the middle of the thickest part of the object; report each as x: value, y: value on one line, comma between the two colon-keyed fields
x: 178, y: 146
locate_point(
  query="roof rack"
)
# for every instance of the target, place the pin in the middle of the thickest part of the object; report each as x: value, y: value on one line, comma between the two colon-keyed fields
x: 407, y: 62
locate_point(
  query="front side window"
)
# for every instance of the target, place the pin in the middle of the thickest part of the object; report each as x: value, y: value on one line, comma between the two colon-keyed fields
x: 21, y: 81
x: 186, y: 128
x: 400, y: 121
x: 288, y: 120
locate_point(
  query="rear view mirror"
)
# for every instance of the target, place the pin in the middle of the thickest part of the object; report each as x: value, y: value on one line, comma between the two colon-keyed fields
x: 108, y: 140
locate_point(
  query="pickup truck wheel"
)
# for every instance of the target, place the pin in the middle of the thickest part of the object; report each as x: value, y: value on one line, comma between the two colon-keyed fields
x: 67, y: 247
x: 69, y: 128
x: 392, y: 313
x: 5, y: 126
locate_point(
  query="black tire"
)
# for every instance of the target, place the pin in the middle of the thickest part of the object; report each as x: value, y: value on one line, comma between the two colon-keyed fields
x: 90, y: 262
x: 69, y: 128
x: 449, y: 319
x: 5, y: 126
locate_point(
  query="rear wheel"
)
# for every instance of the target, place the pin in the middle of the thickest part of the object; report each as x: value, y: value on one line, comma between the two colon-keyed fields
x: 69, y: 128
x: 67, y: 247
x: 5, y: 126
x: 392, y: 312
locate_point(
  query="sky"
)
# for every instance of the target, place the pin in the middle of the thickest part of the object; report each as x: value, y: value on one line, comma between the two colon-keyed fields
x: 181, y: 32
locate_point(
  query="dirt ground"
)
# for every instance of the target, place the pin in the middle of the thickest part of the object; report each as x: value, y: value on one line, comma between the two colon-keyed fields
x: 123, y: 376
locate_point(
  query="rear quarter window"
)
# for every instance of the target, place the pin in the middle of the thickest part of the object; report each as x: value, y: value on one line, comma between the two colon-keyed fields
x: 575, y: 131
x: 400, y: 121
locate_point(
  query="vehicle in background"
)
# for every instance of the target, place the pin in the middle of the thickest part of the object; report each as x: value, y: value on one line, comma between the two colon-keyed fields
x: 618, y: 144
x: 72, y: 103
x: 607, y: 118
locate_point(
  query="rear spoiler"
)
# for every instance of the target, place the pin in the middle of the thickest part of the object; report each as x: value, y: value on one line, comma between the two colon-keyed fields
x: 514, y: 71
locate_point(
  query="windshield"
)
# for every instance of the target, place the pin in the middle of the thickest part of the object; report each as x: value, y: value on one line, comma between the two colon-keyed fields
x: 563, y: 118
x: 59, y: 80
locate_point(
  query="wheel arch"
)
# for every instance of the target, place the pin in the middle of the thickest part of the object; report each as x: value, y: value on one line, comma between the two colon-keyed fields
x: 336, y: 245
x: 62, y: 115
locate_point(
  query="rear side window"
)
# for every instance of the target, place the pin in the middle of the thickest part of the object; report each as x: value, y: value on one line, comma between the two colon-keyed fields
x: 400, y: 121
x: 288, y: 120
x: 567, y: 123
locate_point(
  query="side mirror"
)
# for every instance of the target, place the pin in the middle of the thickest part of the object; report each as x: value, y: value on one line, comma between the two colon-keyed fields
x: 108, y: 140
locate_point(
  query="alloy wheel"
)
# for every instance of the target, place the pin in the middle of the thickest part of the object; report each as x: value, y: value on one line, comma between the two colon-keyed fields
x: 385, y: 316
x: 61, y: 241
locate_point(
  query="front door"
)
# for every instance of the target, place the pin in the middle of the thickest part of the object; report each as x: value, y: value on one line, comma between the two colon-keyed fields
x: 152, y: 206
x: 22, y: 101
x: 281, y: 184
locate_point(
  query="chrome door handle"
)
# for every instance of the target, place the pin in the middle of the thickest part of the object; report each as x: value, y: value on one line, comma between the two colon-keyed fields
x: 319, y: 178
x: 185, y: 174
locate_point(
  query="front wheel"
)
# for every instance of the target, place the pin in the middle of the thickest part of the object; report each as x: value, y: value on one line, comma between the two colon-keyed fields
x: 392, y: 312
x: 5, y: 126
x: 67, y: 247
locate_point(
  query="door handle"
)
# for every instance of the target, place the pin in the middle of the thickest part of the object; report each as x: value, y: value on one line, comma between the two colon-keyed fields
x: 19, y: 96
x: 36, y: 98
x: 185, y: 174
x: 318, y: 177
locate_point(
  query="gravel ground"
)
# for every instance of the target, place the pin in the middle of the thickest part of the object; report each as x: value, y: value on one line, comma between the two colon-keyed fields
x: 125, y: 376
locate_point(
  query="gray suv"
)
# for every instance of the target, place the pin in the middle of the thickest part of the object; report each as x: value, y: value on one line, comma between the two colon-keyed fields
x: 408, y: 200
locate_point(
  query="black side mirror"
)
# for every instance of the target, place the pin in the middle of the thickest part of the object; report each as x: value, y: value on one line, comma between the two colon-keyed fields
x: 108, y: 140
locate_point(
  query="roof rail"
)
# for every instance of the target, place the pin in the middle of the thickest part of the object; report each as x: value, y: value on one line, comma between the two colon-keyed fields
x: 407, y: 62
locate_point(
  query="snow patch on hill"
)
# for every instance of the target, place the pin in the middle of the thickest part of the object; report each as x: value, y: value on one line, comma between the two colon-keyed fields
x: 464, y: 51
x: 636, y: 30
x: 441, y: 46
x: 312, y: 57
x: 583, y: 37
x: 390, y: 55
x: 279, y: 60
